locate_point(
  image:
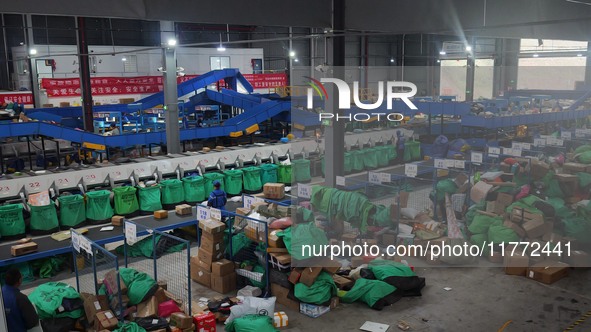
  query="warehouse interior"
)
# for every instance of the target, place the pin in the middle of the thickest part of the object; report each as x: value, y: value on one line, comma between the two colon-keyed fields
x: 330, y: 165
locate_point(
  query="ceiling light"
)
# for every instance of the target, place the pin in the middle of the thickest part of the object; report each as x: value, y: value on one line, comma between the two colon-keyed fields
x: 391, y: 60
x: 124, y: 59
x: 221, y: 48
x: 579, y: 55
x: 32, y: 51
x: 468, y: 48
x: 438, y: 61
x: 172, y: 42
x: 536, y: 55
x: 296, y: 60
x: 442, y: 53
x: 292, y: 53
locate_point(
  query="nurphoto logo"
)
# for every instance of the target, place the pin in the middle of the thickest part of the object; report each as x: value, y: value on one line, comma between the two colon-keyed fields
x: 394, y: 90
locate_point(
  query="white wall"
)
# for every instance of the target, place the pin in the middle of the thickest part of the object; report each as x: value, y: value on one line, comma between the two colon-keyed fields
x: 193, y: 60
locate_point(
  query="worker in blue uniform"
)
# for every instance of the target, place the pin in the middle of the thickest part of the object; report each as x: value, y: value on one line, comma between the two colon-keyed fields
x: 20, y: 313
x: 218, y: 198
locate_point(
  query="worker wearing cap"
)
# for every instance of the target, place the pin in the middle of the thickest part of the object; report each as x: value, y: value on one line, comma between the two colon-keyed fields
x: 218, y: 198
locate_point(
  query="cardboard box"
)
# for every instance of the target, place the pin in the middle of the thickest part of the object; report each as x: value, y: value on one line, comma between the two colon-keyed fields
x: 241, y: 211
x: 213, y: 237
x: 281, y: 293
x: 212, y: 226
x: 343, y: 283
x: 504, y: 199
x: 256, y: 206
x: 309, y: 275
x: 349, y: 238
x: 110, y: 282
x: 274, y: 240
x: 117, y: 220
x: 254, y: 233
x: 93, y: 304
x: 515, y: 227
x: 189, y: 329
x: 280, y: 319
x: 515, y: 264
x: 212, y: 246
x: 205, y: 322
x: 201, y: 276
x: 162, y: 284
x: 520, y: 215
x: 161, y: 214
x: 223, y: 284
x: 334, y: 302
x: 388, y: 239
x: 274, y: 190
x: 548, y: 272
x: 577, y: 258
x: 148, y: 308
x: 312, y: 310
x: 574, y: 168
x: 295, y: 275
x: 222, y: 267
x: 23, y: 249
x: 180, y: 320
x: 105, y: 320
x: 183, y: 210
x: 539, y: 169
x: 160, y: 295
x: 116, y: 305
x: 534, y: 228
x: 208, y: 257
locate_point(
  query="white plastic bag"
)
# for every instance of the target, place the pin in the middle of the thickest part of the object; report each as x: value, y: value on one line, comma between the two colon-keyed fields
x: 252, y: 306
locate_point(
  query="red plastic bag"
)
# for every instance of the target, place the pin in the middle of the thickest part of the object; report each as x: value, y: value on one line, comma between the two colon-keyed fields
x: 167, y: 308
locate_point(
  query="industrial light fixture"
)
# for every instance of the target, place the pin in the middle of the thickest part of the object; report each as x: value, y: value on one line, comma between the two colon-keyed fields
x: 171, y: 42
x: 221, y: 48
x: 292, y: 53
x: 32, y: 51
x: 468, y: 48
x: 296, y: 60
x: 536, y: 55
x: 442, y: 53
x: 124, y: 59
x: 391, y: 60
x: 438, y: 61
x: 579, y: 55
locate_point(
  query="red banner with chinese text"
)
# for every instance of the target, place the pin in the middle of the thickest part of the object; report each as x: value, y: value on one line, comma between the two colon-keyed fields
x: 16, y: 97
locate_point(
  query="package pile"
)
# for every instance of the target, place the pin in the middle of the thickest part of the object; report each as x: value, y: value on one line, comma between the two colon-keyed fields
x: 208, y: 267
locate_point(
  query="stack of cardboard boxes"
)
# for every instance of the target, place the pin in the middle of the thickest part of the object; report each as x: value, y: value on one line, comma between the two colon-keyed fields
x: 209, y: 268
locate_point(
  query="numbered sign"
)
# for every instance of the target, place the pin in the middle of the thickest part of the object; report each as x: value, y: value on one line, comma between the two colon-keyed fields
x: 248, y: 201
x: 85, y: 244
x: 216, y: 214
x: 476, y: 157
x: 439, y: 163
x: 555, y: 141
x: 66, y: 181
x: 512, y: 152
x: 203, y: 213
x: 539, y: 142
x: 75, y: 240
x: 375, y: 178
x: 450, y: 163
x: 130, y: 233
x: 461, y: 164
x: 494, y: 151
x: 36, y: 184
x: 341, y: 181
x: 143, y: 170
x: 411, y: 170
x: 385, y: 177
x: 118, y: 173
x: 304, y: 190
x: 566, y: 135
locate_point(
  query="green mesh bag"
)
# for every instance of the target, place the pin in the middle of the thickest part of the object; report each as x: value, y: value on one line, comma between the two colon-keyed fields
x: 252, y: 179
x: 233, y: 181
x: 210, y: 178
x: 284, y: 174
x: 72, y: 210
x: 172, y: 191
x: 125, y: 200
x: 301, y: 170
x: 12, y: 222
x: 194, y: 188
x: 150, y: 198
x: 98, y: 205
x: 44, y: 218
x: 269, y: 173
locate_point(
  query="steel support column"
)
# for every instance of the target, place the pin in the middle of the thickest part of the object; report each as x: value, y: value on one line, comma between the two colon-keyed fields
x: 84, y: 65
x: 32, y: 61
x: 173, y: 142
x: 470, y: 70
x: 335, y: 133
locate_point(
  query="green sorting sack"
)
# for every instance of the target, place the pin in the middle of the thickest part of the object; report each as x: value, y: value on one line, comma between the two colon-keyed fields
x: 233, y: 181
x: 368, y: 291
x: 348, y: 165
x: 392, y: 154
x: 582, y: 149
x: 482, y: 223
x: 499, y: 234
x: 139, y: 285
x: 125, y: 200
x: 371, y: 158
x: 284, y: 174
x: 98, y: 206
x: 301, y: 170
x: 72, y: 210
x: 44, y: 219
x: 306, y: 234
x: 585, y: 157
x: 357, y: 157
x: 172, y: 191
x: 252, y: 323
x: 209, y: 179
x: 578, y: 228
x: 382, y: 156
x: 412, y: 151
x: 48, y: 297
x: 252, y: 179
x: 194, y: 187
x: 129, y: 327
x: 12, y: 222
x: 319, y: 293
x: 269, y: 173
x: 150, y: 198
